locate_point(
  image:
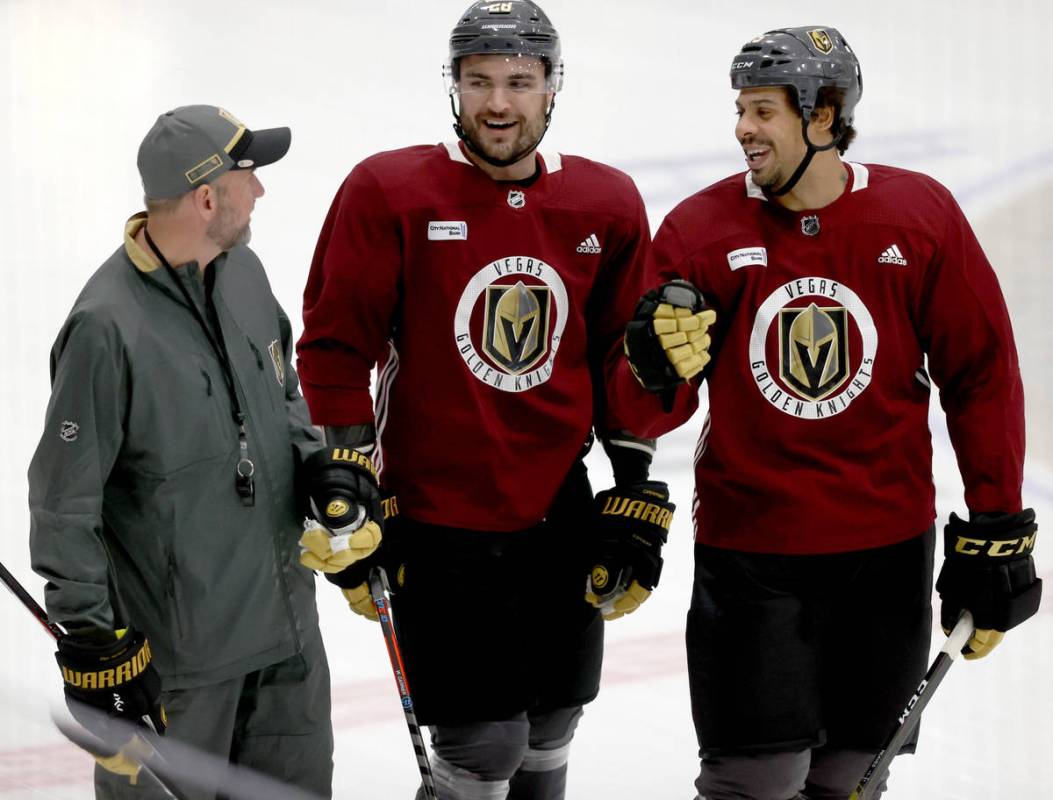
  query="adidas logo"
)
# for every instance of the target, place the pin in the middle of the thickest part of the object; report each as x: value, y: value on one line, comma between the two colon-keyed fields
x: 590, y: 245
x: 892, y: 256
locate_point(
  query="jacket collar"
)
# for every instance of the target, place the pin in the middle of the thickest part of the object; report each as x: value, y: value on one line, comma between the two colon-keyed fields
x: 143, y: 261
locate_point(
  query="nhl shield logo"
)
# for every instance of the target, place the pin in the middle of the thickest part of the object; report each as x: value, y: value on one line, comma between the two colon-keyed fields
x: 813, y: 349
x: 516, y: 326
x: 810, y: 225
x: 69, y: 431
x: 516, y: 198
x: 822, y: 41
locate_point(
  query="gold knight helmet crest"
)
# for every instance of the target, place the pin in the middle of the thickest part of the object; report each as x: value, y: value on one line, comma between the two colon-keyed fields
x: 278, y: 361
x: 822, y: 41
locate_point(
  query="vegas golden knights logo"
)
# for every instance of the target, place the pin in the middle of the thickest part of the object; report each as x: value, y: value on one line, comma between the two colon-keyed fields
x: 822, y: 41
x: 813, y: 349
x: 516, y: 327
x: 278, y: 361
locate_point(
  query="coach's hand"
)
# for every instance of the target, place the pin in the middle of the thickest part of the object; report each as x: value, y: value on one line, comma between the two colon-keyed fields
x: 113, y: 676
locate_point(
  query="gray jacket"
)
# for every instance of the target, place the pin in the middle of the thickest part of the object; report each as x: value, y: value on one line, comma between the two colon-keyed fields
x: 135, y: 515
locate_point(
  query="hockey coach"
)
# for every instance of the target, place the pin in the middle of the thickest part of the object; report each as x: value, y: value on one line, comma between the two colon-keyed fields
x: 165, y: 516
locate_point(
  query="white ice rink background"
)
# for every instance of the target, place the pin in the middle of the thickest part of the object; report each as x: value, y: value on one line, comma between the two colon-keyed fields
x: 959, y: 90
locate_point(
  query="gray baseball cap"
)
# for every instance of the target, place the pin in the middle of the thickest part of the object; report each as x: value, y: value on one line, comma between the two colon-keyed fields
x: 192, y: 145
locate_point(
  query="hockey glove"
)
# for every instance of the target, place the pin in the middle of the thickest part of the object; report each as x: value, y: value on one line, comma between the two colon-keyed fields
x: 113, y: 675
x: 631, y: 525
x: 667, y: 341
x: 989, y: 570
x: 344, y: 500
x: 354, y: 580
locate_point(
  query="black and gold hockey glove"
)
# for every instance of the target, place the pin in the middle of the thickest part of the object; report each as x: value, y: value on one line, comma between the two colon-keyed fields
x: 667, y: 340
x: 989, y: 570
x: 112, y: 674
x: 354, y: 580
x: 631, y: 525
x: 344, y: 501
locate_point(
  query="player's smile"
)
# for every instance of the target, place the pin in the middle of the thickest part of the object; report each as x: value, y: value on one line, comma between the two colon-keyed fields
x: 757, y: 155
x: 499, y: 126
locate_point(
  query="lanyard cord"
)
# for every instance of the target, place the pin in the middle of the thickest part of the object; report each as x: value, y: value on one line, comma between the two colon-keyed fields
x: 219, y: 346
x: 245, y: 468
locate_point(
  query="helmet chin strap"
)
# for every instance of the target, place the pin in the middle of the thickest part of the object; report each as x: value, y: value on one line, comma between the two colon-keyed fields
x: 812, y: 150
x: 462, y: 134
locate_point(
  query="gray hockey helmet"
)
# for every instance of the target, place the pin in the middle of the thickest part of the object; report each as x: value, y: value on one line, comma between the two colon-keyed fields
x: 806, y: 59
x: 512, y: 27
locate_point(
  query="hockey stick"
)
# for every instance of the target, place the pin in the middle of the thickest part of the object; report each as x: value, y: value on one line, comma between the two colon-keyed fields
x: 380, y: 602
x: 16, y: 588
x: 908, y: 720
x: 56, y: 632
x: 210, y: 774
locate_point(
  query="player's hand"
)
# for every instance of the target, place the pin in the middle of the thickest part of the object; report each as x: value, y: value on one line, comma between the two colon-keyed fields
x: 344, y: 501
x: 354, y: 580
x: 988, y: 569
x: 667, y: 341
x: 114, y: 676
x: 324, y: 551
x: 631, y: 524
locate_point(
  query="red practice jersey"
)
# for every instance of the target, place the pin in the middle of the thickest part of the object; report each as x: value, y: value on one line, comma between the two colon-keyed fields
x: 817, y: 439
x: 489, y: 307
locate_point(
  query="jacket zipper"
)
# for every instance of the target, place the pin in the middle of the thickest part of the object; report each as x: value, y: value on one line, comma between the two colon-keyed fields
x: 174, y: 603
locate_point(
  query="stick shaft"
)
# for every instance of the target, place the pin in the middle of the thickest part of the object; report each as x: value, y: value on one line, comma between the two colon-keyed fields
x: 19, y: 591
x: 911, y: 713
x: 380, y: 602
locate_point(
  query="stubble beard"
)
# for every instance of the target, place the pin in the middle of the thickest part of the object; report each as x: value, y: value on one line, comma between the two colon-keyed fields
x: 530, y: 131
x: 771, y: 176
x: 773, y: 180
x: 224, y: 231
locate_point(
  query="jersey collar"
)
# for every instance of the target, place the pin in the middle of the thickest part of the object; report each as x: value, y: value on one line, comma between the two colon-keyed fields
x: 858, y: 175
x: 550, y: 162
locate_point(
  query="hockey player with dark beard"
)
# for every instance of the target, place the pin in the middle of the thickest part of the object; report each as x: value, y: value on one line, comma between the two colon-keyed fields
x: 842, y: 291
x: 489, y: 282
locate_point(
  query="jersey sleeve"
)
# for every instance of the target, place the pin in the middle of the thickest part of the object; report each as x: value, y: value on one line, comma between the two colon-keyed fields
x: 623, y: 276
x: 351, y: 297
x: 633, y: 408
x: 967, y: 334
x: 82, y: 436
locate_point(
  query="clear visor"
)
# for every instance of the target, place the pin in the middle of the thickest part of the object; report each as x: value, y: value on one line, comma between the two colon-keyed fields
x: 512, y: 73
